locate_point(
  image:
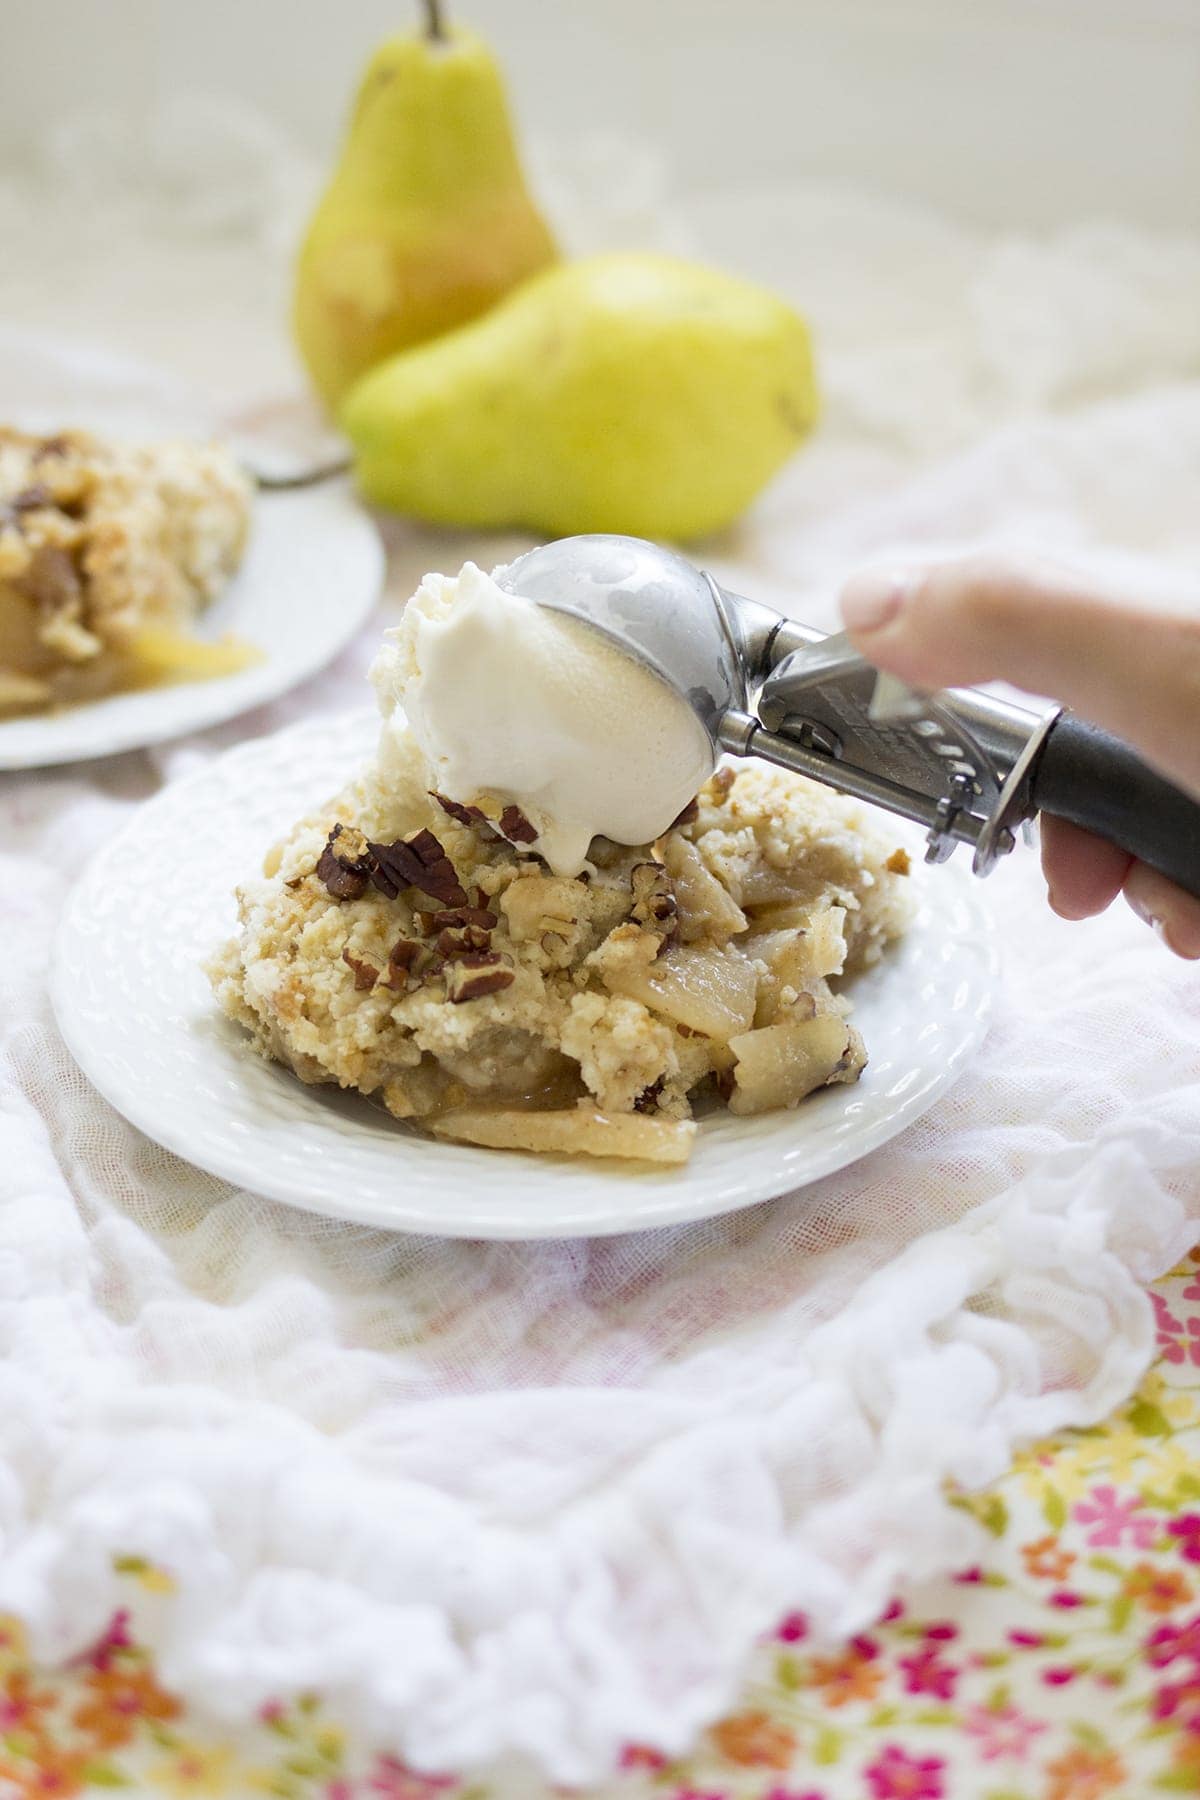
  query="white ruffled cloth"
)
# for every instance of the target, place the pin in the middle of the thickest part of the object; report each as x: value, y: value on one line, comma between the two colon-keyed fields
x: 541, y: 1498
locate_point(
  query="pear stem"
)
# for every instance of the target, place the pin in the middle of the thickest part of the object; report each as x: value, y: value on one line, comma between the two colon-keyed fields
x: 435, y: 26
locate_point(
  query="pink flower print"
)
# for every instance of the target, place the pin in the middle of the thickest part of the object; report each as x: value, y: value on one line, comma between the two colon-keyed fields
x: 894, y: 1775
x: 792, y: 1628
x: 971, y: 1577
x: 1025, y: 1640
x: 339, y: 1790
x: 780, y: 1793
x: 866, y: 1647
x: 1111, y: 1518
x: 1169, y: 1641
x: 1066, y: 1599
x: 941, y: 1632
x: 1180, y: 1697
x: 116, y: 1638
x: 926, y: 1673
x: 391, y: 1780
x: 1001, y: 1731
x: 895, y: 1611
x: 1058, y: 1677
x: 1191, y: 1291
x: 1187, y: 1529
x: 1177, y: 1341
x: 641, y: 1756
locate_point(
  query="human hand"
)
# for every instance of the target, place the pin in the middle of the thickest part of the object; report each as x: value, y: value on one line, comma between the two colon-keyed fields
x: 1133, y: 670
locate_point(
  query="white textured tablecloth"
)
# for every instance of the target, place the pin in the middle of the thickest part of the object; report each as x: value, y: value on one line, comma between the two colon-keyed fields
x: 542, y: 1498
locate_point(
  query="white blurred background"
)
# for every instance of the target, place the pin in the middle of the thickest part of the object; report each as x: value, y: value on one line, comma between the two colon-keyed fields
x: 1006, y: 111
x: 989, y: 210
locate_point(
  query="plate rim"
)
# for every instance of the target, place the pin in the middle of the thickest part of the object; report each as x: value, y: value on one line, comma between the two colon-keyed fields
x: 673, y: 1204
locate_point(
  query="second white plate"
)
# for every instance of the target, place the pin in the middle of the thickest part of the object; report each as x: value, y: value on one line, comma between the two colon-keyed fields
x: 138, y: 1015
x: 312, y: 572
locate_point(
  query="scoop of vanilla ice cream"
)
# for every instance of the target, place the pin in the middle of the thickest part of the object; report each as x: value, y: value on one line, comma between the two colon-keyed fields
x: 509, y: 700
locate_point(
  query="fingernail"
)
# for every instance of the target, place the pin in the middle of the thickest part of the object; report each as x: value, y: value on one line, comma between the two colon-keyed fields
x: 1152, y: 919
x: 874, y: 598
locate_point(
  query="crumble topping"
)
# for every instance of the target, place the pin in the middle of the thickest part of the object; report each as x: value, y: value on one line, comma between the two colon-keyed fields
x: 107, y: 554
x: 408, y: 944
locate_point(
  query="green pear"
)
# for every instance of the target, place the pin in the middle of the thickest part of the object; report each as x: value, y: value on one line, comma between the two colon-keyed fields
x: 630, y: 393
x: 427, y: 220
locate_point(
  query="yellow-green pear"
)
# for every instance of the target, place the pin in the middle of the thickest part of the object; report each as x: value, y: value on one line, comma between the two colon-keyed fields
x: 631, y: 393
x: 427, y: 219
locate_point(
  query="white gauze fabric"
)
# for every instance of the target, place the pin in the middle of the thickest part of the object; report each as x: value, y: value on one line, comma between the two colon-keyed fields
x: 542, y: 1498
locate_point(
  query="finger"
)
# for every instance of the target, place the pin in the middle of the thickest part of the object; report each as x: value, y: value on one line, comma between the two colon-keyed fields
x: 1083, y: 873
x: 1133, y: 671
x: 1173, y: 914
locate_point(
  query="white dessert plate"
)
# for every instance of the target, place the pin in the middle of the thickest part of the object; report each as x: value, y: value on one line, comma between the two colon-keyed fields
x: 138, y: 1015
x: 312, y: 571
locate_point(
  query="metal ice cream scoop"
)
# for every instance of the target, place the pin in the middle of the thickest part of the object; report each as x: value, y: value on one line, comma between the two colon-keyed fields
x: 968, y: 767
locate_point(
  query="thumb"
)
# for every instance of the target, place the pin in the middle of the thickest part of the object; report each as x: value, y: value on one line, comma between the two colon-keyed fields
x: 1132, y: 669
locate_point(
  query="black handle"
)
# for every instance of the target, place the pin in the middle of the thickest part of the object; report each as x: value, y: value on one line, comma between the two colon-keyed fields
x: 1099, y: 783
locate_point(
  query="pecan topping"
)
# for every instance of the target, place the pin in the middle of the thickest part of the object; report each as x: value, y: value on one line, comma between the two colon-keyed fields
x: 345, y: 863
x: 654, y: 902
x: 899, y: 862
x: 647, y: 1100
x: 463, y: 940
x: 30, y: 498
x: 417, y: 861
x: 688, y: 816
x: 466, y: 815
x: 516, y: 827
x: 365, y: 973
x: 465, y: 915
x: 52, y: 580
x: 472, y: 976
x: 724, y: 778
x: 408, y: 960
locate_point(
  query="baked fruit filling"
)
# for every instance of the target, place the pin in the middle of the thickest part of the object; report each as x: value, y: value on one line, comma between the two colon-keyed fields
x: 415, y: 947
x: 107, y: 555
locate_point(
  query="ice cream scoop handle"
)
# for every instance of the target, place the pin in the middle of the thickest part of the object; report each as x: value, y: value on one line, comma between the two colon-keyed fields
x: 1100, y: 784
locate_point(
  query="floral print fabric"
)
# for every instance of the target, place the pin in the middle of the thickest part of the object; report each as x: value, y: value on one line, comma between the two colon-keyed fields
x: 1064, y: 1666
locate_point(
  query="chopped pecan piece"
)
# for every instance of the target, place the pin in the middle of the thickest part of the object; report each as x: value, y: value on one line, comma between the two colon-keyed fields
x: 30, y: 498
x: 466, y: 815
x: 417, y: 861
x: 462, y: 940
x: 51, y: 580
x: 724, y: 778
x: 516, y: 827
x: 465, y: 915
x: 408, y: 960
x: 473, y: 976
x: 899, y: 862
x: 365, y: 973
x: 654, y: 902
x: 647, y: 1100
x: 688, y: 816
x: 345, y: 863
